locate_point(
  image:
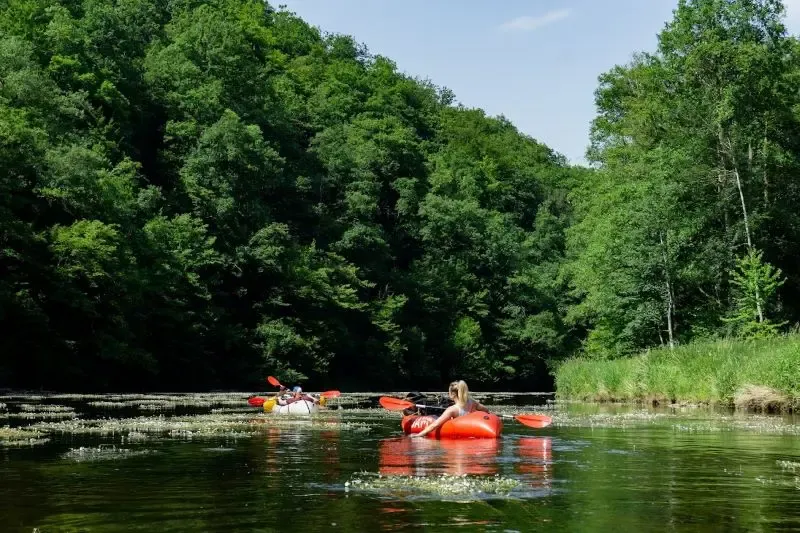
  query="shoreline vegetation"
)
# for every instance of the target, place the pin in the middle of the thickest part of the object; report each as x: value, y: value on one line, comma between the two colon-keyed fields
x: 196, y: 194
x: 757, y: 375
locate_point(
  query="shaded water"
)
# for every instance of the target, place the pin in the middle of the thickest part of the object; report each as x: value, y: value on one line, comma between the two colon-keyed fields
x: 598, y: 468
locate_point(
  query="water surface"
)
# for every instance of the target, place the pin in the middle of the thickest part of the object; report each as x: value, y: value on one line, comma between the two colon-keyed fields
x: 598, y: 468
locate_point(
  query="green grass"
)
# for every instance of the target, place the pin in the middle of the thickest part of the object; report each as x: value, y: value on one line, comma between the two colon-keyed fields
x: 721, y: 372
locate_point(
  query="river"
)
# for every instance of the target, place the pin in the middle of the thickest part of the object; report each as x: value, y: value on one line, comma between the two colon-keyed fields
x: 206, y: 463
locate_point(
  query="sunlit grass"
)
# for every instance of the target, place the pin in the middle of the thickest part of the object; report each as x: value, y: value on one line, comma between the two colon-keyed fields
x: 763, y: 374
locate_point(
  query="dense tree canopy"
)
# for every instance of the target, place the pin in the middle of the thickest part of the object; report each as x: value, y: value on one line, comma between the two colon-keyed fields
x: 196, y: 194
x: 697, y: 147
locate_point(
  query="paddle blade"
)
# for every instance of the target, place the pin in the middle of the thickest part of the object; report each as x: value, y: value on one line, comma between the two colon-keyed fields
x: 274, y: 381
x: 534, y: 421
x: 255, y: 401
x: 331, y: 394
x: 394, y: 404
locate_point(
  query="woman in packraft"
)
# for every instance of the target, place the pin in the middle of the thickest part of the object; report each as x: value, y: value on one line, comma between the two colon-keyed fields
x: 464, y: 404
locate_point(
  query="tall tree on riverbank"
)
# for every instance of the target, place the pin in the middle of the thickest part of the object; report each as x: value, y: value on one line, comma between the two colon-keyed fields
x: 697, y: 147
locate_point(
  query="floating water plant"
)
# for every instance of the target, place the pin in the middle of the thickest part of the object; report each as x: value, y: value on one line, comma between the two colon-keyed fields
x: 14, y: 437
x: 444, y: 485
x: 228, y: 410
x: 108, y: 405
x: 77, y: 397
x: 157, y: 405
x: 135, y: 436
x: 45, y: 408
x: 790, y: 466
x: 39, y: 415
x: 25, y: 397
x: 103, y: 453
x: 199, y: 425
x: 751, y: 423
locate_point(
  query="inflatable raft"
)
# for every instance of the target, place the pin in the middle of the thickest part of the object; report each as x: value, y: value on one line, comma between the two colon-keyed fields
x: 300, y: 407
x: 475, y: 425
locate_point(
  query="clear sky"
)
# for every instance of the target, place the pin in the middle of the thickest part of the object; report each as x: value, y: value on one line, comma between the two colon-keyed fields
x: 534, y: 61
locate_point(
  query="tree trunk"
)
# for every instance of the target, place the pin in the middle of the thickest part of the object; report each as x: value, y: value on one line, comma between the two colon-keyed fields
x: 668, y: 285
x: 766, y: 181
x: 759, y: 307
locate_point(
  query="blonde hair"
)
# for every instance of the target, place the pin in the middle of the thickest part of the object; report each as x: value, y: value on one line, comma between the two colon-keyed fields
x: 459, y: 392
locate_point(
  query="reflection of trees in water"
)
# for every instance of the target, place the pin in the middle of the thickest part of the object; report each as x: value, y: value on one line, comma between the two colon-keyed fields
x: 322, y: 448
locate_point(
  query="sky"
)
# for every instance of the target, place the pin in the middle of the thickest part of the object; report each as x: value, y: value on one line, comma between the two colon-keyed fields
x: 534, y: 61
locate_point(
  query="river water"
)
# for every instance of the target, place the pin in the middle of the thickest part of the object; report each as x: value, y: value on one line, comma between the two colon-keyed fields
x: 134, y: 464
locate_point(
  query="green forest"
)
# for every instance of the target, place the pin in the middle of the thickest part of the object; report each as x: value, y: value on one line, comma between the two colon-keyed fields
x: 194, y: 195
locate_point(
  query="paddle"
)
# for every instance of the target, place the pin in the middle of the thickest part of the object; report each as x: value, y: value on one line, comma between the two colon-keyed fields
x: 257, y: 401
x: 534, y: 421
x: 274, y: 382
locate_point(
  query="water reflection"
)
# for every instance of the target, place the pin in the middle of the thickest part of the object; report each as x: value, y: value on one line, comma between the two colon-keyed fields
x: 426, y: 457
x: 536, y: 460
x: 532, y: 457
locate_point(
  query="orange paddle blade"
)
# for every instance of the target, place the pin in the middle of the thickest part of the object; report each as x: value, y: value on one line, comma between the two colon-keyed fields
x: 331, y: 394
x: 394, y: 404
x: 274, y: 381
x: 534, y: 421
x: 256, y: 401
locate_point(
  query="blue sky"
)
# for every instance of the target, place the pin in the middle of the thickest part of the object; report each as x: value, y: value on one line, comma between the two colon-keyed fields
x: 534, y: 61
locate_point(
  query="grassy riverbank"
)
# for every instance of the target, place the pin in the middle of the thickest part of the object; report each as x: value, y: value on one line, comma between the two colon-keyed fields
x: 762, y: 374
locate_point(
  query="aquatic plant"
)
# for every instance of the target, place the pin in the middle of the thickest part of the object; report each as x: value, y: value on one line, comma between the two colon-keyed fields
x: 39, y: 415
x: 15, y: 437
x: 791, y: 466
x: 108, y: 405
x: 25, y: 397
x: 102, y: 453
x: 638, y: 417
x: 765, y: 425
x: 198, y: 425
x: 45, y: 408
x: 77, y: 397
x: 444, y: 485
x: 226, y: 426
x: 135, y: 436
x: 223, y: 410
x: 157, y: 405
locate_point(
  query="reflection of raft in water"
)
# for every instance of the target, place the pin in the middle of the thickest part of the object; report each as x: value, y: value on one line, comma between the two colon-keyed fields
x: 531, y: 458
x: 475, y: 425
x: 419, y: 457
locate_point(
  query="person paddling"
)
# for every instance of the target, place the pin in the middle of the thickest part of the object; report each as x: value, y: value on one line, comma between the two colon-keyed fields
x: 297, y: 395
x: 464, y: 404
